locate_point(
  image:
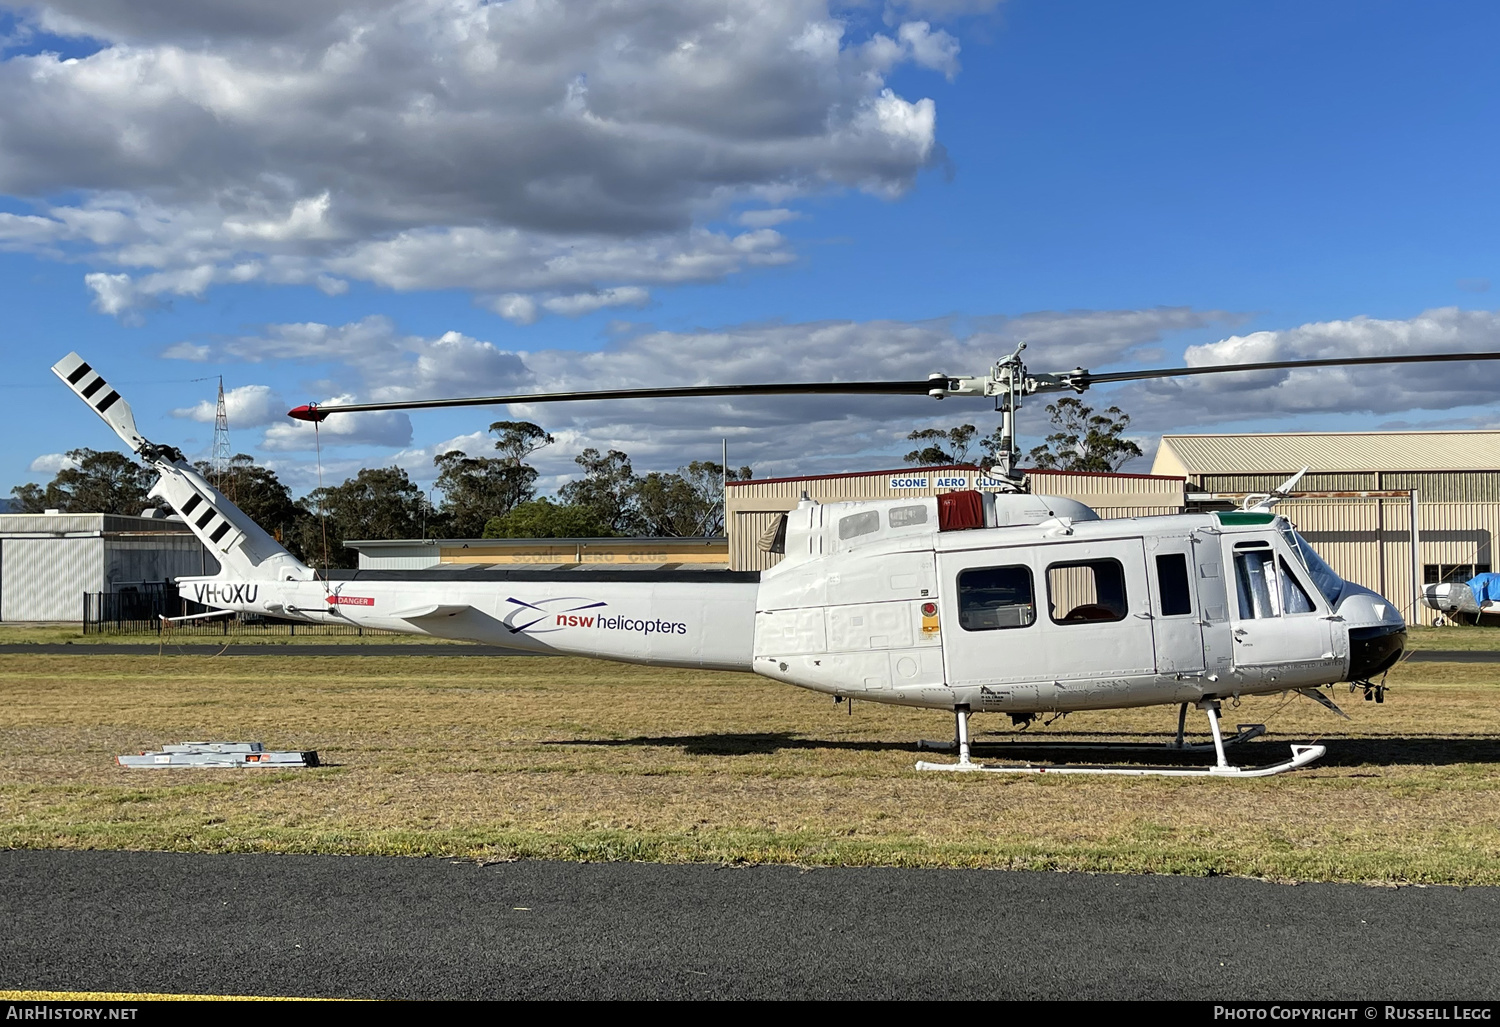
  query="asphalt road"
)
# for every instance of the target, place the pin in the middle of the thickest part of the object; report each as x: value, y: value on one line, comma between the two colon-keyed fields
x: 428, y: 928
x: 458, y: 649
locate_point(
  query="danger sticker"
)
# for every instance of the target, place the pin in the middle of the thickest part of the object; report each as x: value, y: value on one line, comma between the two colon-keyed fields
x: 351, y: 600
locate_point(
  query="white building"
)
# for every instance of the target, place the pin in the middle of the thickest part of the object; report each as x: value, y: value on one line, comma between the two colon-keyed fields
x: 48, y: 561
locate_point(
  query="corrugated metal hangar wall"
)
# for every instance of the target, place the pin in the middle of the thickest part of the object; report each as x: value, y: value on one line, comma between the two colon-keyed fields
x: 48, y: 561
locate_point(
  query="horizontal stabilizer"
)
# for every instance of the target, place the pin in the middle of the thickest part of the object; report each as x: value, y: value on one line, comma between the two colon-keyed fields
x: 431, y: 612
x: 95, y: 391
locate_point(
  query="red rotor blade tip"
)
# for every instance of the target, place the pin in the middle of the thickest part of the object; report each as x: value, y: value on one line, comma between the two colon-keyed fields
x: 307, y: 412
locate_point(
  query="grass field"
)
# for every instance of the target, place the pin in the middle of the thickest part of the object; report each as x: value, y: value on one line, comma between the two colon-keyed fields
x: 505, y: 758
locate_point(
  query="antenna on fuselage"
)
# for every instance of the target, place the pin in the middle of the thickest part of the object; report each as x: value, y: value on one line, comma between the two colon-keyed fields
x: 1263, y: 501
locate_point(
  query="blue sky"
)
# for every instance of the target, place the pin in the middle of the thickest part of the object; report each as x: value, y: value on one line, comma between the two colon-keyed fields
x: 846, y: 191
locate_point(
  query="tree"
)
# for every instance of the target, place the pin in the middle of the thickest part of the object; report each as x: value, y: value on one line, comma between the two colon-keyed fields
x: 687, y: 504
x: 98, y: 482
x: 377, y: 503
x: 543, y: 518
x: 1084, y: 440
x: 519, y: 439
x: 477, y: 489
x: 957, y: 439
x: 608, y: 488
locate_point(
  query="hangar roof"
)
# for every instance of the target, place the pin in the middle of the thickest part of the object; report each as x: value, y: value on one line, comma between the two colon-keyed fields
x: 1328, y: 451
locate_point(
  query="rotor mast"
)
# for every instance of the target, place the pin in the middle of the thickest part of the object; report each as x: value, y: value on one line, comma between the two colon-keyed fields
x: 1007, y: 382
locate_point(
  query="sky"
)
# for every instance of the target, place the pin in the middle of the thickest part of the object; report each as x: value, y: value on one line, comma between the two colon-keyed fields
x: 320, y: 200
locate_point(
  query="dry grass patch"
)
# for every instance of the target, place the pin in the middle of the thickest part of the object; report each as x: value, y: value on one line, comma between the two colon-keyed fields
x: 501, y: 758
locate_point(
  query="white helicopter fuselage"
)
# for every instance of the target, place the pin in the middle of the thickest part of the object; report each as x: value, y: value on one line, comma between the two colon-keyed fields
x: 1039, y: 607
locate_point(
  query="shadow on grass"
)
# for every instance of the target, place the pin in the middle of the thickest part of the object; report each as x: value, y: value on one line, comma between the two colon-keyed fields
x: 762, y: 744
x: 1342, y: 752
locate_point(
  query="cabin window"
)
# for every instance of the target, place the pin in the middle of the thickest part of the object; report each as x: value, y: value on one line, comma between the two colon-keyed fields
x: 1294, y: 598
x: 901, y: 516
x: 859, y: 524
x: 1086, y: 592
x: 1176, y: 589
x: 995, y: 597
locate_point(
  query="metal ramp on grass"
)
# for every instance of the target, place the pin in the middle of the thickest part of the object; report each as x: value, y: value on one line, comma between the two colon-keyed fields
x: 218, y: 754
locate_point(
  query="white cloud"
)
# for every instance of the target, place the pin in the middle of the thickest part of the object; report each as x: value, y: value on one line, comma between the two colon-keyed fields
x: 1214, y: 399
x: 515, y: 308
x: 546, y: 149
x: 186, y: 351
x: 113, y: 294
x: 248, y: 406
x: 767, y: 218
x: 588, y: 302
x: 51, y: 463
x: 936, y: 50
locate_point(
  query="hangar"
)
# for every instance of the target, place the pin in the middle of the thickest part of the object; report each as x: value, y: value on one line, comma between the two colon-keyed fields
x: 48, y: 561
x: 1389, y: 510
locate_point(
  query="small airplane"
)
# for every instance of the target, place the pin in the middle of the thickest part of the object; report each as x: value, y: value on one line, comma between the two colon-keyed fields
x: 967, y: 602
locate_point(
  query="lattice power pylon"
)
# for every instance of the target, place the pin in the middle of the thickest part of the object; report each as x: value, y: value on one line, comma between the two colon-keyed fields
x: 220, y: 457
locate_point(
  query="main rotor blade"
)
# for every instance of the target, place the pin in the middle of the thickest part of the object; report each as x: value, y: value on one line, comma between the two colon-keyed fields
x: 1274, y: 365
x: 315, y: 412
x: 923, y: 387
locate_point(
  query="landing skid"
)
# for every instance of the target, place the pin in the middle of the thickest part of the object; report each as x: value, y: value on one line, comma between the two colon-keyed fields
x: 1302, y: 755
x: 1247, y: 732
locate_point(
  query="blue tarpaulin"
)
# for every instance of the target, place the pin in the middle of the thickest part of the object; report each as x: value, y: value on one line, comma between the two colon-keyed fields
x: 1486, y: 588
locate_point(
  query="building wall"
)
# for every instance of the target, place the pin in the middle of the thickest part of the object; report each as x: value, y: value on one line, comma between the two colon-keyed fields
x: 416, y: 556
x: 1433, y: 486
x: 615, y: 552
x: 48, y: 561
x: 623, y: 552
x: 129, y: 561
x: 44, y: 579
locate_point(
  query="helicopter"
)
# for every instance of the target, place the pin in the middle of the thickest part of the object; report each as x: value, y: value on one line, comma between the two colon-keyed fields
x: 966, y: 602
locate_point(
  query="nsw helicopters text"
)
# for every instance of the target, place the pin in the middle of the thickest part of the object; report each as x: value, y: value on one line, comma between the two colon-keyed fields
x: 644, y: 627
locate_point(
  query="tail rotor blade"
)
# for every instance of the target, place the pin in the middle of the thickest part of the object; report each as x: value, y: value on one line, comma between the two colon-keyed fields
x: 105, y: 401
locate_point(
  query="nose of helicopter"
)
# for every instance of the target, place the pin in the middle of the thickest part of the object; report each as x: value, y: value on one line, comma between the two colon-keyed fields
x: 1377, y: 632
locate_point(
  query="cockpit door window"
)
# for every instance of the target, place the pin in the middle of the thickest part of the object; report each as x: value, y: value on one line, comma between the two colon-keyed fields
x: 1255, y: 578
x: 1267, y: 585
x: 1294, y: 599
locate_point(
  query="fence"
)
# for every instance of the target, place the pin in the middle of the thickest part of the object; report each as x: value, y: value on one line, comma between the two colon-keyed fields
x: 141, y: 613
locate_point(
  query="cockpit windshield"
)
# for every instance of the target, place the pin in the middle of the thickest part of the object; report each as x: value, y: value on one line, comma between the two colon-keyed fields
x: 1329, y: 583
